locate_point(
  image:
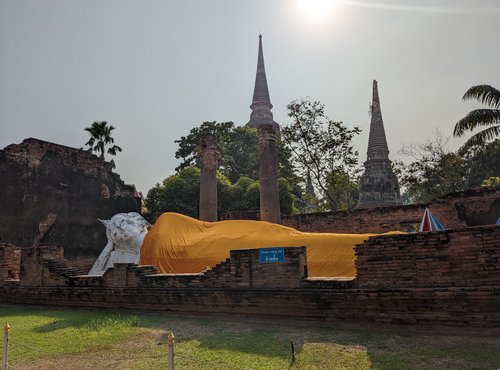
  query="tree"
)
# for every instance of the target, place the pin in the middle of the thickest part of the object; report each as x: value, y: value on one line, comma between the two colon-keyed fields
x: 177, y: 193
x: 435, y: 171
x: 181, y: 193
x: 100, y: 137
x: 323, y: 148
x: 490, y: 96
x: 483, y: 162
x: 238, y: 151
x: 238, y: 154
x: 288, y: 199
x: 235, y: 145
x: 344, y: 189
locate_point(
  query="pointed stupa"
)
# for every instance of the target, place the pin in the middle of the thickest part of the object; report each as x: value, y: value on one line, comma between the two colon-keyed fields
x: 309, y: 185
x: 377, y: 143
x: 261, y: 103
x: 310, y: 200
x: 378, y: 186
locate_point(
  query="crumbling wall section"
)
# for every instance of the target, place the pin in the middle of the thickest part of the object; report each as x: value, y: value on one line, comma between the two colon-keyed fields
x: 45, y: 266
x: 474, y: 207
x: 241, y: 271
x: 467, y: 257
x: 53, y: 195
x: 10, y: 262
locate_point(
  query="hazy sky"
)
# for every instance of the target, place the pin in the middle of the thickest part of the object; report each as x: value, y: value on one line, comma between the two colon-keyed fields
x: 155, y: 69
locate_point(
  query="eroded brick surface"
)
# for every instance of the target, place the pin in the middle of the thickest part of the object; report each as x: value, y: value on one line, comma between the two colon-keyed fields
x: 445, y: 278
x: 474, y: 207
x: 43, y: 181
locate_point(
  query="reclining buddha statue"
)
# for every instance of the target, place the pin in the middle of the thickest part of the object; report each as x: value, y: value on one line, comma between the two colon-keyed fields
x: 181, y: 244
x: 125, y: 233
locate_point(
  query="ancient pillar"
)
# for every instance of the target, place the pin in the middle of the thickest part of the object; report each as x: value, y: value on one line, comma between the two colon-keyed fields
x: 268, y: 176
x: 208, y: 179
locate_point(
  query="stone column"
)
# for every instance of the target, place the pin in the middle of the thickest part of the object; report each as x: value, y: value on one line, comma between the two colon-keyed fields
x: 268, y: 176
x: 208, y: 179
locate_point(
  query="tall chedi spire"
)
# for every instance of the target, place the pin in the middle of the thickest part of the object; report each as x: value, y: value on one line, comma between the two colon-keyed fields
x: 378, y: 185
x: 261, y: 103
x: 262, y: 119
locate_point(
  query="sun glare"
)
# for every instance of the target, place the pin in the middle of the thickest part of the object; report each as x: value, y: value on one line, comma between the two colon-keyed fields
x: 316, y: 9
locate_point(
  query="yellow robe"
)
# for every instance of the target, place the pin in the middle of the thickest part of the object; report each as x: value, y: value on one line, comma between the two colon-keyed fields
x: 180, y: 244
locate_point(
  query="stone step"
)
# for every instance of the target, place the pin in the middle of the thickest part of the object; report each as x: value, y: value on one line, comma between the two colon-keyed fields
x: 61, y: 267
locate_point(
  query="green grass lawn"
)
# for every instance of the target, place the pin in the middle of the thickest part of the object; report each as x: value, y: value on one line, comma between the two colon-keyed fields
x: 70, y: 339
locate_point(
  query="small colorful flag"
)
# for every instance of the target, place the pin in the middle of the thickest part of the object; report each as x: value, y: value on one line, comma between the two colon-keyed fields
x: 430, y: 222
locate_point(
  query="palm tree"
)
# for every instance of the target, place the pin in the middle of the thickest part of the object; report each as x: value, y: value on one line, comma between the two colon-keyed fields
x: 100, y: 136
x: 487, y: 95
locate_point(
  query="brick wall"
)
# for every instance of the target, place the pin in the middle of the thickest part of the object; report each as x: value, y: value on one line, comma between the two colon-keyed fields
x: 474, y: 207
x: 240, y: 215
x: 46, y: 266
x: 54, y: 195
x: 371, y: 220
x: 10, y: 262
x: 446, y: 278
x: 462, y: 257
x: 241, y: 270
x: 37, y: 267
x: 83, y: 264
x: 453, y: 306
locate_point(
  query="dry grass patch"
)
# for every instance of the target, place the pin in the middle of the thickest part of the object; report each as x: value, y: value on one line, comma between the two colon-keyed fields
x: 67, y: 339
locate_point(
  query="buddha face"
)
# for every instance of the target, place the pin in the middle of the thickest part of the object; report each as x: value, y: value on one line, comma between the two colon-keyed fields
x: 126, y: 231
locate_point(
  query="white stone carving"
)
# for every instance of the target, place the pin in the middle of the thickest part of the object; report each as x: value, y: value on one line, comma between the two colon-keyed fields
x: 125, y: 232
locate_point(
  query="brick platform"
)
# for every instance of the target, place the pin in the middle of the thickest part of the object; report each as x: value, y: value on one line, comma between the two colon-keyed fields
x: 446, y: 278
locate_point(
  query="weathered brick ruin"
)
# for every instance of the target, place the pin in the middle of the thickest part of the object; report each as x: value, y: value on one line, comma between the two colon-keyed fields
x: 208, y: 179
x: 447, y: 278
x: 10, y: 262
x: 466, y: 257
x: 53, y: 195
x: 474, y: 207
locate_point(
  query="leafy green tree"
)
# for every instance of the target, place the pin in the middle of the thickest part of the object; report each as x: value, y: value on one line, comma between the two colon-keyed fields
x: 100, y: 137
x: 287, y: 198
x: 427, y: 180
x: 181, y: 193
x: 238, y: 151
x: 245, y: 195
x: 487, y: 95
x: 251, y: 198
x: 483, y: 162
x: 436, y: 171
x: 345, y: 190
x: 323, y: 148
x: 177, y: 193
x: 235, y: 145
x: 237, y: 155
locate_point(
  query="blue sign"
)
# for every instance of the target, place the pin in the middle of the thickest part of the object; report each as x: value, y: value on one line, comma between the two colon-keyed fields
x: 271, y: 255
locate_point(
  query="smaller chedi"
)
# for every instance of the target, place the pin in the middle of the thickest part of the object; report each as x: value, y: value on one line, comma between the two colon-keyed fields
x: 125, y: 232
x: 378, y: 186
